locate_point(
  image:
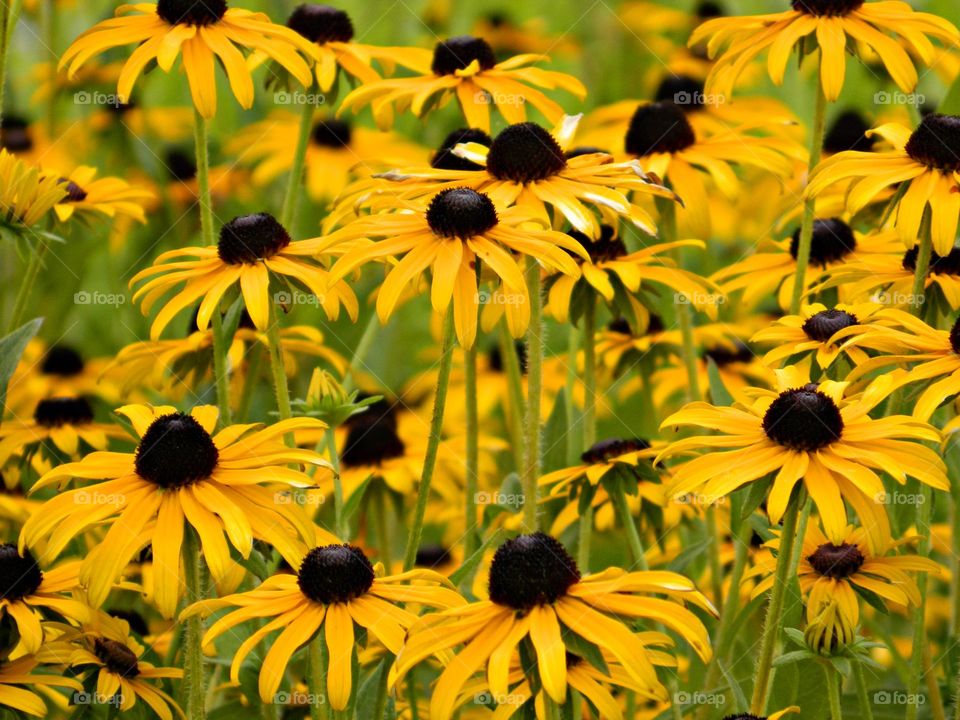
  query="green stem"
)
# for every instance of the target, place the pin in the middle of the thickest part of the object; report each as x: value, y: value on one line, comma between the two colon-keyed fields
x: 288, y: 215
x: 573, y: 422
x: 772, y: 625
x: 339, y: 526
x: 380, y: 502
x: 514, y: 412
x: 713, y: 557
x: 833, y: 692
x: 49, y: 30
x: 360, y: 352
x: 471, y: 538
x: 220, y: 343
x: 925, y: 501
x: 5, y: 35
x: 316, y: 676
x: 531, y: 441
x: 863, y: 698
x: 590, y: 373
x: 250, y: 381
x: 668, y: 224
x: 380, y: 706
x: 923, y: 264
x: 194, y: 677
x: 26, y: 285
x: 433, y: 444
x: 280, y: 386
x: 584, y: 538
x: 809, y: 205
x: 619, y: 498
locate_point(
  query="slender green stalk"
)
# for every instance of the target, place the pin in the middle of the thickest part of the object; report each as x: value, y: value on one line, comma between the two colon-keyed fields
x: 26, y: 285
x: 380, y: 706
x: 923, y: 264
x: 220, y: 343
x: 619, y: 499
x: 713, y: 557
x: 833, y: 692
x: 668, y: 229
x: 584, y: 538
x: 250, y: 381
x: 809, y: 205
x: 590, y: 373
x: 471, y: 538
x: 573, y: 422
x: 339, y: 526
x: 277, y: 370
x: 194, y: 674
x: 863, y: 698
x: 288, y: 215
x: 381, y: 520
x: 316, y: 675
x: 433, y: 443
x: 511, y: 365
x: 772, y: 624
x: 360, y: 352
x: 531, y: 439
x: 5, y: 35
x: 49, y: 30
x: 935, y: 698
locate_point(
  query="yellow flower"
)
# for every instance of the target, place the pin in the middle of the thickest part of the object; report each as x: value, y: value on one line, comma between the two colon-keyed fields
x: 180, y: 472
x: 205, y: 33
x: 924, y: 161
x: 26, y: 195
x: 809, y: 432
x: 890, y: 29
x: 17, y: 673
x: 252, y: 250
x: 535, y: 586
x: 109, y: 196
x: 465, y: 66
x: 335, y: 588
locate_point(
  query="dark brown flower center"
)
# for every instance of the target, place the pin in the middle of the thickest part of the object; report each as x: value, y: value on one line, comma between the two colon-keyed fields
x: 836, y: 561
x: 457, y: 53
x: 525, y: 153
x: 531, y: 570
x: 62, y: 361
x: 372, y: 437
x: 15, y: 135
x: 724, y: 355
x: 744, y: 716
x: 955, y: 336
x: 176, y: 451
x: 432, y: 556
x: 59, y: 411
x: 606, y: 450
x: 948, y: 264
x: 803, y: 419
x: 321, y: 23
x: 248, y: 239
x: 19, y: 574
x: 832, y: 241
x: 603, y: 249
x: 335, y: 574
x: 936, y: 142
x: 826, y: 7
x: 119, y: 659
x: 848, y: 132
x: 180, y: 166
x: 331, y: 133
x: 682, y: 90
x: 191, y: 12
x: 75, y: 193
x: 444, y: 159
x: 495, y: 357
x: 826, y: 323
x: 660, y: 127
x: 461, y: 213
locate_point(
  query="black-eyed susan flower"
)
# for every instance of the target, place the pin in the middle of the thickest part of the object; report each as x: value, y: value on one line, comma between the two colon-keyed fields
x: 334, y: 590
x: 465, y: 67
x: 598, y: 460
x: 204, y: 34
x: 337, y: 152
x: 809, y: 432
x: 815, y: 330
x: 61, y: 426
x: 773, y: 716
x: 104, y: 648
x: 104, y: 197
x: 836, y: 568
x: 26, y: 194
x: 28, y: 594
x: 536, y: 593
x: 252, y: 250
x: 889, y: 29
x: 181, y: 473
x: 772, y: 270
x: 926, y: 161
x: 458, y: 227
x: 19, y: 684
x: 611, y: 266
x: 530, y: 166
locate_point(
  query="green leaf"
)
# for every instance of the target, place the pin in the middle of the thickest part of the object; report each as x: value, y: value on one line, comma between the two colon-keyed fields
x: 581, y: 647
x: 470, y: 564
x: 350, y: 506
x: 950, y: 105
x: 370, y: 689
x: 718, y: 391
x: 556, y: 435
x: 11, y: 350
